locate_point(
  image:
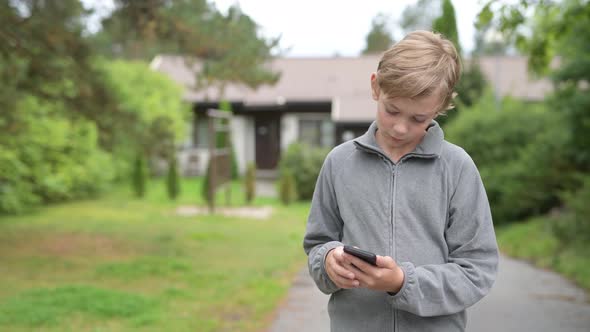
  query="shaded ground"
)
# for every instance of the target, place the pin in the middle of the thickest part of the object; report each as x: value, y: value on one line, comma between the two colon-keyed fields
x: 524, y: 298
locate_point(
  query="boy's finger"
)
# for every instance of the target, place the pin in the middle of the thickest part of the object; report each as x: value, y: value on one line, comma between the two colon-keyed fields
x: 359, y: 263
x: 342, y: 271
x: 345, y: 283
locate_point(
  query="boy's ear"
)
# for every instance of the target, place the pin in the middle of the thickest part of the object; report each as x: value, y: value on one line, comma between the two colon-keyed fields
x: 374, y: 87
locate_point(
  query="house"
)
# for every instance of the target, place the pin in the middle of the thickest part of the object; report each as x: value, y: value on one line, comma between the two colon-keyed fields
x: 320, y: 101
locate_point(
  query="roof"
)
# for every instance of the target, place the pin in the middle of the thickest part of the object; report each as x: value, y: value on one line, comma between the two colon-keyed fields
x: 345, y: 81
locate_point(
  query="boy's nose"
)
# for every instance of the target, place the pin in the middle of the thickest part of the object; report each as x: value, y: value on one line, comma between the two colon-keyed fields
x: 400, y: 129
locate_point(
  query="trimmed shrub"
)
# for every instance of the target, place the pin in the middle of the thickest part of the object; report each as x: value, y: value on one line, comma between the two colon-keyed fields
x: 205, y: 186
x: 304, y: 162
x: 287, y: 188
x: 172, y: 180
x: 139, y: 176
x: 250, y: 183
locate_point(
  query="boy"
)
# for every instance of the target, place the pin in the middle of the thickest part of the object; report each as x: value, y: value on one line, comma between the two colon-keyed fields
x: 405, y: 193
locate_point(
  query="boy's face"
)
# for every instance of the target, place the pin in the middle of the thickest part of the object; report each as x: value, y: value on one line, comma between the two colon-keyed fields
x: 402, y: 122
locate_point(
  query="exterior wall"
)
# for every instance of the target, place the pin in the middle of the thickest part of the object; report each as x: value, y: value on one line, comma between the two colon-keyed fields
x: 243, y: 141
x: 250, y: 142
x: 193, y: 160
x: 238, y: 132
x: 289, y: 130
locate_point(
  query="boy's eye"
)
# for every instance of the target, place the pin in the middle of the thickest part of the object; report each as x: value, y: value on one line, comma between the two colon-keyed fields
x: 419, y: 120
x: 392, y: 112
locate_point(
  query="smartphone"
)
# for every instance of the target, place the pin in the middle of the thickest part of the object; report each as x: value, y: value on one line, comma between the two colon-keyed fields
x: 368, y: 257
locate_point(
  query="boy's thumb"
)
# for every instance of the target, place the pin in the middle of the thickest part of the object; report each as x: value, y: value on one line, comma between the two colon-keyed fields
x: 385, y: 262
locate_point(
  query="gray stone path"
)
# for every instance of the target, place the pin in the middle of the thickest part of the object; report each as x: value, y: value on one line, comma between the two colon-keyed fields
x: 306, y: 308
x: 524, y: 298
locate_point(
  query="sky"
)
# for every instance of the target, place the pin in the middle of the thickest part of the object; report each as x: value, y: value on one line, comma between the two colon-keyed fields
x: 310, y: 28
x: 324, y: 28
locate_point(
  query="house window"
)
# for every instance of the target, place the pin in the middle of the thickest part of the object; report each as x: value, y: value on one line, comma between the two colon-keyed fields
x: 316, y: 132
x: 201, y: 131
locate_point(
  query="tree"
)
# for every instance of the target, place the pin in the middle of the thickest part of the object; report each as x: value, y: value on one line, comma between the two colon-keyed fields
x: 51, y: 96
x: 195, y: 28
x: 420, y: 16
x: 554, y: 29
x: 446, y: 24
x: 379, y: 38
x: 245, y: 64
x: 489, y: 41
x: 471, y: 85
x: 45, y: 54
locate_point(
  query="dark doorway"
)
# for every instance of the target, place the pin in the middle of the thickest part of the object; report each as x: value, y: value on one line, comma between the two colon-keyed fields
x: 267, y: 141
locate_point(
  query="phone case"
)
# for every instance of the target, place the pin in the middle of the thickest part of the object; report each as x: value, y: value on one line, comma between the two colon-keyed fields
x: 367, y: 256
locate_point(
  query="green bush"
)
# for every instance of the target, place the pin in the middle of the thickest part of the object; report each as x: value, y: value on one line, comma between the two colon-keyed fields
x: 250, y: 183
x: 16, y: 193
x: 151, y: 115
x: 574, y: 227
x: 519, y: 151
x: 172, y: 180
x: 287, y: 189
x: 535, y: 241
x: 49, y: 158
x: 304, y: 162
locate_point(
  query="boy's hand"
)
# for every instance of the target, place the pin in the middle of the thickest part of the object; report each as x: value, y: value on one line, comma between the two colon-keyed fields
x: 339, y: 270
x: 386, y: 276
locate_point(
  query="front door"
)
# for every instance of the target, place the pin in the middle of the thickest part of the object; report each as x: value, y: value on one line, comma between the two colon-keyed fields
x: 267, y: 141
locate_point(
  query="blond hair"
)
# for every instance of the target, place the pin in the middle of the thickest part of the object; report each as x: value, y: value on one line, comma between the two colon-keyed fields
x: 419, y: 65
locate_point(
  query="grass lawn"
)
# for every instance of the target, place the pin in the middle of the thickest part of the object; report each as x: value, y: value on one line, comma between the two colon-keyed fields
x: 534, y: 241
x: 123, y: 264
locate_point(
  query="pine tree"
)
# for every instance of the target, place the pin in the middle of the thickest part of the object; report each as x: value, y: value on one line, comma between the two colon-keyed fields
x: 379, y: 38
x: 446, y: 24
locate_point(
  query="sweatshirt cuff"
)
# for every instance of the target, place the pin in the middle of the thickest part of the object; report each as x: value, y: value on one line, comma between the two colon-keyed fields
x: 322, y: 253
x: 409, y: 280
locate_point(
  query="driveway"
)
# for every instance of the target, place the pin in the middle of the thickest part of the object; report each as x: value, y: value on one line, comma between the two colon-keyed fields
x: 524, y: 298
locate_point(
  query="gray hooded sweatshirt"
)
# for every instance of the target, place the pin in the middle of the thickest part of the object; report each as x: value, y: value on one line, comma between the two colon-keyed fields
x: 429, y: 212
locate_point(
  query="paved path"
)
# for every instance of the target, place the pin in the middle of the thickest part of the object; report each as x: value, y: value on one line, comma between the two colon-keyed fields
x: 524, y: 298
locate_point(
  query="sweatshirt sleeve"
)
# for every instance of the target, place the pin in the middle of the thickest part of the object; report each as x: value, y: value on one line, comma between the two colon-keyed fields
x: 324, y: 228
x: 470, y: 271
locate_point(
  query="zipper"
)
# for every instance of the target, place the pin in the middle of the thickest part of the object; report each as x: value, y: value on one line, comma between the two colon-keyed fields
x: 394, y: 168
x: 370, y: 149
x: 393, y: 230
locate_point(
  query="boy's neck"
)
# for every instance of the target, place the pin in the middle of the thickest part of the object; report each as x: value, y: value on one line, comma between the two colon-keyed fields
x: 394, y: 153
